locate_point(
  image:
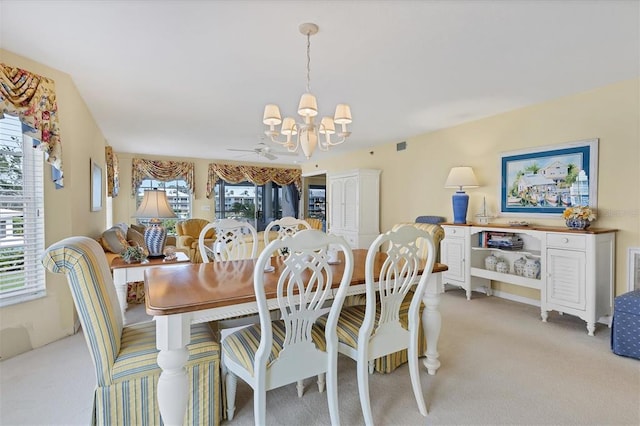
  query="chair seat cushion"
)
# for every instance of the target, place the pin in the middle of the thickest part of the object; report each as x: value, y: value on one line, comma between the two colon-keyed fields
x: 352, y: 317
x: 241, y: 346
x: 138, y: 353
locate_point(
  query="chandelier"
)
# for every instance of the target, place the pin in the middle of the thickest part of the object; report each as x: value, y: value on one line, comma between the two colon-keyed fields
x: 310, y: 134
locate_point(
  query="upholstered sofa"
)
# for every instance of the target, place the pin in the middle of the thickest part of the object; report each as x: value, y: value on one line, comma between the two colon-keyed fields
x: 115, y: 239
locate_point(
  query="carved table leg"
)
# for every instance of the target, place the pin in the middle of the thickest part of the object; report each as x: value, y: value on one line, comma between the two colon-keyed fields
x: 432, y: 321
x: 172, y: 337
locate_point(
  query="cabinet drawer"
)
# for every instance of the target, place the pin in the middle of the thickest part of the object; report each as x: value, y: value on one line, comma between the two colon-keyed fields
x: 453, y: 231
x: 570, y: 241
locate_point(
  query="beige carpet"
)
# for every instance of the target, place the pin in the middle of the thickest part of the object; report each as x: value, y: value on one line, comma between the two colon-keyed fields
x: 500, y: 365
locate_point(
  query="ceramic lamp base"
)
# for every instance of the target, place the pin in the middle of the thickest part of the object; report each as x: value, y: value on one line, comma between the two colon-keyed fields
x: 155, y: 236
x: 460, y: 204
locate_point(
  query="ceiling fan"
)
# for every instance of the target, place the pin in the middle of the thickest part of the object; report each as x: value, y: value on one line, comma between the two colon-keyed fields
x: 263, y: 150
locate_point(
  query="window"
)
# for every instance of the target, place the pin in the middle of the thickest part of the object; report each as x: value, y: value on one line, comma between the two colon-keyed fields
x: 256, y: 204
x: 21, y: 215
x: 179, y: 198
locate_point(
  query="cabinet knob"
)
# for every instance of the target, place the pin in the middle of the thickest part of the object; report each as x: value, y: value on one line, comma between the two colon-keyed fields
x: 453, y: 231
x: 565, y: 240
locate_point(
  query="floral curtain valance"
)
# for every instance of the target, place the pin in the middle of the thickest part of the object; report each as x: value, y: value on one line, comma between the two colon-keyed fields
x: 33, y: 99
x: 113, y: 172
x: 161, y: 170
x: 234, y: 173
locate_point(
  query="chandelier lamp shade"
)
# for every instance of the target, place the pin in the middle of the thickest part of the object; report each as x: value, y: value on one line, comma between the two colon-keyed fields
x: 461, y: 177
x: 307, y: 134
x: 155, y: 206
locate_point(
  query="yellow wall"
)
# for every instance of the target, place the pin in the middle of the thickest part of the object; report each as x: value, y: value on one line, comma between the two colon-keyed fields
x: 412, y: 181
x: 35, y: 323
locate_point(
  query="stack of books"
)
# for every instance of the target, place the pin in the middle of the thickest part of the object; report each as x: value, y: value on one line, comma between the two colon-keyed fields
x: 505, y: 241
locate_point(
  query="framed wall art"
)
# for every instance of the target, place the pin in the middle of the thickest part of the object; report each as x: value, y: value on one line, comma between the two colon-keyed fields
x: 95, y: 174
x: 546, y: 180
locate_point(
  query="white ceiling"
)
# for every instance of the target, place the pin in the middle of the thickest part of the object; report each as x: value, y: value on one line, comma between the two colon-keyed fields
x: 191, y: 78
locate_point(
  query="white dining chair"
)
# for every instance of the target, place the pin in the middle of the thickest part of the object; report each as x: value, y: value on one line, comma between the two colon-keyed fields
x: 234, y: 240
x: 390, y: 320
x: 286, y: 227
x: 275, y: 353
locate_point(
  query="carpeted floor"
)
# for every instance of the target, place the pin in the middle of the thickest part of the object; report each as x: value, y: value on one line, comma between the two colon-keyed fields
x: 500, y: 365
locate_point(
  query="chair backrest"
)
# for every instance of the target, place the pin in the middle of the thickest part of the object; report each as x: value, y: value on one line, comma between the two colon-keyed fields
x: 192, y: 227
x: 304, y: 285
x: 234, y: 240
x: 287, y: 226
x: 84, y: 263
x: 398, y: 275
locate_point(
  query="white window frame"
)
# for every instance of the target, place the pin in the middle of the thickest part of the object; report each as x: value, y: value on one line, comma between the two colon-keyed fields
x: 29, y: 204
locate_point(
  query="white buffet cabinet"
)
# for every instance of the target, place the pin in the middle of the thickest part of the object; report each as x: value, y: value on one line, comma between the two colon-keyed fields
x: 354, y: 206
x: 576, y: 267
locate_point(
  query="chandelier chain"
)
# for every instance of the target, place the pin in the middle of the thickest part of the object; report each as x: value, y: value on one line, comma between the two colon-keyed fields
x: 308, y: 63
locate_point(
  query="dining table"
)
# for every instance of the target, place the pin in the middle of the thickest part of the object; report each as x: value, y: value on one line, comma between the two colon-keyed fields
x: 194, y: 293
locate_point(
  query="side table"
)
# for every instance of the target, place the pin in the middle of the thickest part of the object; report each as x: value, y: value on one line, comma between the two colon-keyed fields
x: 124, y: 273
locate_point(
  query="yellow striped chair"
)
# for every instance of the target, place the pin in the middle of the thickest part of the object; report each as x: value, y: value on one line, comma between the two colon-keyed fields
x: 125, y: 357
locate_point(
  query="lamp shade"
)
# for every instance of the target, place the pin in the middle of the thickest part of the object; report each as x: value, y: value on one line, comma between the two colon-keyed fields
x: 461, y: 177
x: 154, y: 205
x: 308, y: 106
x: 288, y: 126
x: 327, y: 126
x: 271, y: 115
x: 343, y: 114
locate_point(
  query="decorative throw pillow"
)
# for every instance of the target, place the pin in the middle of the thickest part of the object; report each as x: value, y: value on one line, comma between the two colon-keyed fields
x: 136, y: 239
x: 123, y: 227
x: 114, y: 240
x: 139, y: 228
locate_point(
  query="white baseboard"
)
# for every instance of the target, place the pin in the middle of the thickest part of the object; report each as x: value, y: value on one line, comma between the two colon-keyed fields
x: 515, y: 298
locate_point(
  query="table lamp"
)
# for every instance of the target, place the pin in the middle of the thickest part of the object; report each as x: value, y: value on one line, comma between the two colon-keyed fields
x: 154, y: 206
x: 461, y: 177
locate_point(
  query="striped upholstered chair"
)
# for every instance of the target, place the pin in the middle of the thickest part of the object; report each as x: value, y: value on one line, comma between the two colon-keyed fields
x: 125, y: 357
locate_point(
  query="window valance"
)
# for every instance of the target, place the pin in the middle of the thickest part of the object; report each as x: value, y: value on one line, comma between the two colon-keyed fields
x: 235, y: 173
x: 32, y: 98
x: 161, y: 170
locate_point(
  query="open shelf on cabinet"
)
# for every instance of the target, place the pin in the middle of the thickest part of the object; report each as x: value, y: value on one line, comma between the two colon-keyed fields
x: 531, y: 253
x: 506, y: 278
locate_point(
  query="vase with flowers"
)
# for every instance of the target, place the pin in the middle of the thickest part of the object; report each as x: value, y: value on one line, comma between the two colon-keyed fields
x: 578, y: 217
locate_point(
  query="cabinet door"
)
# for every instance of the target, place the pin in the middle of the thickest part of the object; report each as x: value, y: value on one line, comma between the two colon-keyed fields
x: 566, y: 278
x: 351, y: 203
x: 336, y: 204
x: 452, y: 253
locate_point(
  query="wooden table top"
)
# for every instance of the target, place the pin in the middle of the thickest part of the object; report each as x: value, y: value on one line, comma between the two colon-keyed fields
x: 194, y: 287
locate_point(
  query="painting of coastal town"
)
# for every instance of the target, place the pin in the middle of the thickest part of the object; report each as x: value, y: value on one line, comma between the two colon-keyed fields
x: 549, y: 179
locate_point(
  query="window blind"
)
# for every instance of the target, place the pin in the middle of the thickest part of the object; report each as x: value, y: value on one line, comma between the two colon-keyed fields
x: 22, y: 276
